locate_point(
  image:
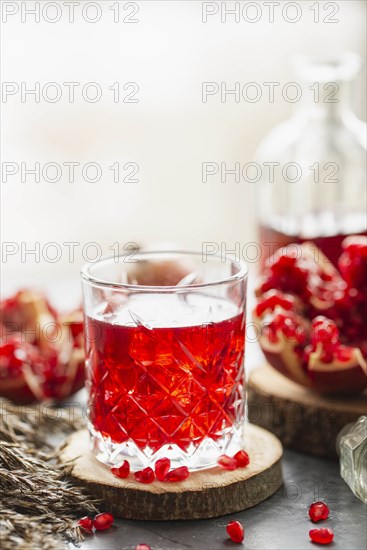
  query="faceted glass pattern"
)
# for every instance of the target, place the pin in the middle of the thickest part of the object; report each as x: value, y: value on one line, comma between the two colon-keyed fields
x: 158, y: 387
x: 166, y: 389
x: 353, y: 458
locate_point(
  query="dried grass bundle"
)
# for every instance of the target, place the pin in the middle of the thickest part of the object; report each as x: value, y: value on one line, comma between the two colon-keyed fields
x: 38, y: 501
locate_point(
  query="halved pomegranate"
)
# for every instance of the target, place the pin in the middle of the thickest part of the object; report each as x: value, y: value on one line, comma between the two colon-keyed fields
x: 313, y: 317
x: 41, y: 353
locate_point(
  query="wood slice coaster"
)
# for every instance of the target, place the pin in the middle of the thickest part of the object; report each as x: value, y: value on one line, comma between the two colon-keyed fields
x: 205, y: 494
x: 301, y: 418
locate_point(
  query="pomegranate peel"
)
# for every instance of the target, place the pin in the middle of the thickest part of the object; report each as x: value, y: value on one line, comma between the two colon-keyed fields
x: 278, y: 347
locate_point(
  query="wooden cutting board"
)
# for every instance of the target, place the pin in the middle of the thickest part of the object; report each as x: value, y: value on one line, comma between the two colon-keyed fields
x: 299, y: 417
x: 205, y: 494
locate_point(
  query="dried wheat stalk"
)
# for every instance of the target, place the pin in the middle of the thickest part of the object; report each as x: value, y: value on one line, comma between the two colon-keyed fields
x: 38, y: 501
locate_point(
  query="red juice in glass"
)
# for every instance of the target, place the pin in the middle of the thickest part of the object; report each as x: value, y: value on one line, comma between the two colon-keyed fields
x: 166, y: 376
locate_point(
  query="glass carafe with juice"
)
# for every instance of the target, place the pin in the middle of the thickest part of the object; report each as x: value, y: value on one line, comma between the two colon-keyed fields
x: 315, y: 184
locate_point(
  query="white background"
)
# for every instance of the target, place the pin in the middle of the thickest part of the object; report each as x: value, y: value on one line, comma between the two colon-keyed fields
x: 169, y: 133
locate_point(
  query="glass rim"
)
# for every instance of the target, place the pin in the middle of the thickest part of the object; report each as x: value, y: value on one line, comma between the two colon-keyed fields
x: 87, y: 276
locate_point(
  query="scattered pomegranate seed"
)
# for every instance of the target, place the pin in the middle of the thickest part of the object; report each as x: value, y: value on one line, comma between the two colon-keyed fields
x: 318, y: 510
x: 321, y: 536
x: 242, y: 459
x: 143, y: 547
x: 235, y: 531
x: 103, y: 521
x: 86, y: 523
x: 145, y: 476
x: 178, y: 474
x: 122, y: 471
x: 161, y: 468
x: 227, y: 463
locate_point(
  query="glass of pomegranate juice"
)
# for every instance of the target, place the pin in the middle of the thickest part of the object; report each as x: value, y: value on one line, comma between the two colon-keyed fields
x: 165, y: 337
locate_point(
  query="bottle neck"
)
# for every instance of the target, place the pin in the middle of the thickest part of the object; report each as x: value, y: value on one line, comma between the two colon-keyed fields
x: 326, y: 101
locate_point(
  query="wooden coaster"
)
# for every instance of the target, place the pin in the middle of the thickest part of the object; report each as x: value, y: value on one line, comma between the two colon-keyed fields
x: 301, y: 418
x: 205, y: 494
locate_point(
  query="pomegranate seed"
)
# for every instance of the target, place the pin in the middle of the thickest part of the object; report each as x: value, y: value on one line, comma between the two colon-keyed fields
x: 227, y: 463
x: 145, y: 476
x: 122, y: 471
x: 143, y: 547
x: 161, y: 468
x: 318, y: 510
x: 178, y: 474
x: 86, y: 523
x: 235, y: 531
x: 103, y: 521
x: 324, y: 330
x: 272, y: 299
x: 242, y: 459
x: 321, y: 536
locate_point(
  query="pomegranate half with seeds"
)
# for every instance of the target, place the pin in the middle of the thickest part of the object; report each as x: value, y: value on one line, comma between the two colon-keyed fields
x: 41, y: 352
x: 313, y: 317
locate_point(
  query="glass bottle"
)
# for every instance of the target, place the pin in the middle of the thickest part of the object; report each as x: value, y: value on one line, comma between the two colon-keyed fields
x: 317, y: 188
x: 352, y: 445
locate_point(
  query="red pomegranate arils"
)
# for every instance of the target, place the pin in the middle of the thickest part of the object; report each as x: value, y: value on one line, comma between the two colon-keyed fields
x: 227, y: 463
x: 242, y: 459
x: 324, y: 331
x: 103, y: 521
x: 178, y: 474
x: 86, y: 523
x: 318, y: 511
x: 145, y: 476
x: 272, y: 299
x: 122, y: 471
x: 317, y: 337
x: 143, y: 547
x: 321, y: 536
x: 235, y: 531
x: 161, y: 468
x: 43, y: 361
